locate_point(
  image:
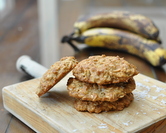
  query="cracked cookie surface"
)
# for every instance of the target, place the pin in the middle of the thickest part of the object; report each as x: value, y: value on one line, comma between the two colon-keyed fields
x: 98, y: 106
x: 104, y: 70
x: 56, y: 72
x: 95, y: 92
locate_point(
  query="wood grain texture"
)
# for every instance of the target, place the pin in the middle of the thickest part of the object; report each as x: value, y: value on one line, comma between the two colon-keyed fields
x: 19, y: 34
x: 54, y: 111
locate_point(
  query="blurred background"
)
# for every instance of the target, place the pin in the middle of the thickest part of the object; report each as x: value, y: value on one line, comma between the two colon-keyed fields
x: 35, y: 28
x: 23, y: 33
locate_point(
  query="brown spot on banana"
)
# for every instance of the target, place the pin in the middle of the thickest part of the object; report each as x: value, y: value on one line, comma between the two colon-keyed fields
x: 129, y: 42
x: 136, y: 23
x: 156, y: 57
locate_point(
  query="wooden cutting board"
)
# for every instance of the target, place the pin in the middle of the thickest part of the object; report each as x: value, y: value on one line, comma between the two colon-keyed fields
x: 54, y: 111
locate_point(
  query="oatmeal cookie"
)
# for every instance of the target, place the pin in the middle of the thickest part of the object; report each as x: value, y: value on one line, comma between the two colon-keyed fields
x: 56, y: 72
x: 98, y: 106
x: 104, y: 70
x: 95, y: 92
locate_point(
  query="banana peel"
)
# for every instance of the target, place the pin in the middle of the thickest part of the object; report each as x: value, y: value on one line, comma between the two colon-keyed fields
x: 116, y: 39
x: 133, y: 22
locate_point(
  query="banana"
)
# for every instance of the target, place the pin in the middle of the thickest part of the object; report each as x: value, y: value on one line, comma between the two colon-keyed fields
x: 136, y: 23
x: 126, y: 41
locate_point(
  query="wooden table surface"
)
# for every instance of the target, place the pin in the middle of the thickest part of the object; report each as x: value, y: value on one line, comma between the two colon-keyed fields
x: 19, y: 35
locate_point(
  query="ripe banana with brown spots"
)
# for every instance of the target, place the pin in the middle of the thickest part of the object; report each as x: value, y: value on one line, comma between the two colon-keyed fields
x: 132, y: 22
x: 116, y: 39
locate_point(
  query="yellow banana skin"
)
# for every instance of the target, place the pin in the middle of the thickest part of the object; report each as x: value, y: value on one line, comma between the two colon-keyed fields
x: 136, y: 23
x: 129, y: 42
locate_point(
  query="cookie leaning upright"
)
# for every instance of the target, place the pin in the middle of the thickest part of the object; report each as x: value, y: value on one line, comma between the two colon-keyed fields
x: 104, y: 70
x: 56, y: 72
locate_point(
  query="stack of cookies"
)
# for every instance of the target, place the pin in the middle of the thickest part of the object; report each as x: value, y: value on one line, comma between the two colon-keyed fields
x: 102, y: 83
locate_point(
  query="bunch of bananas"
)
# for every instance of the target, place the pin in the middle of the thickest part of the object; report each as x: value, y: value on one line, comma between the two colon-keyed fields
x: 120, y: 30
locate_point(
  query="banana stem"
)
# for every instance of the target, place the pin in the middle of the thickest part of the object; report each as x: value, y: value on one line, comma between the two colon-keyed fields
x: 73, y: 46
x: 69, y: 41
